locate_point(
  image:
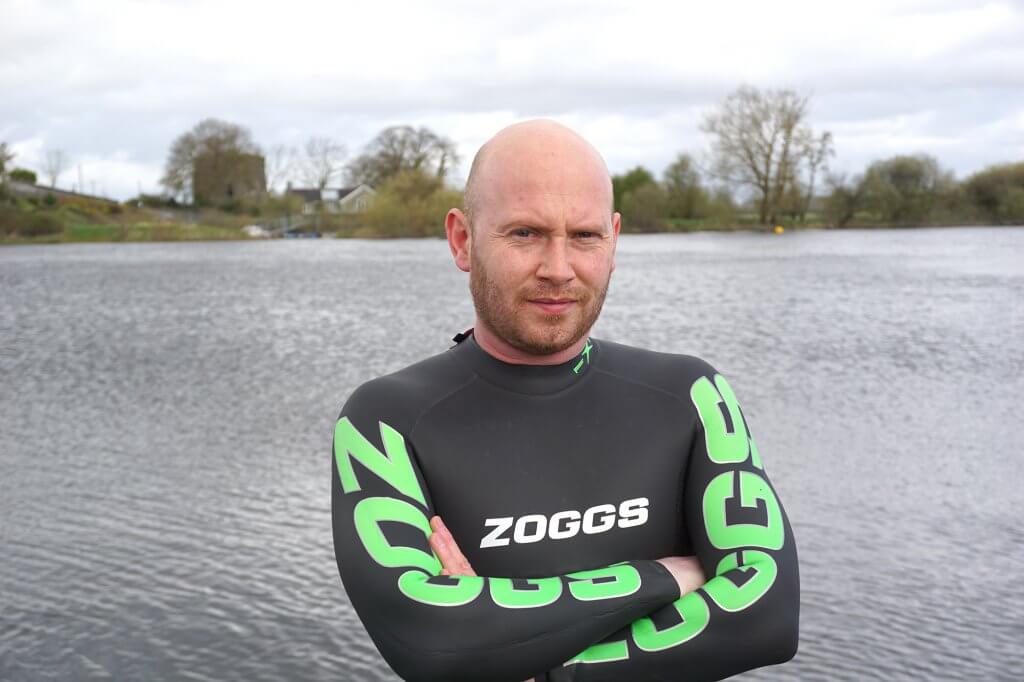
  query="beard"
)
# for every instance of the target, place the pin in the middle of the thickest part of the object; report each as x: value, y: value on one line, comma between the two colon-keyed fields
x: 509, y: 316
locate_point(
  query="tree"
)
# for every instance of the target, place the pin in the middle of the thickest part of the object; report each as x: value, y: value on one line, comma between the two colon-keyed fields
x: 817, y: 152
x: 644, y: 208
x: 844, y: 200
x: 411, y: 203
x: 210, y: 136
x: 323, y: 160
x: 906, y: 189
x: 997, y: 192
x: 685, y: 197
x: 280, y: 164
x: 6, y: 156
x: 55, y: 162
x: 22, y: 175
x: 629, y: 181
x: 757, y: 144
x: 401, y: 148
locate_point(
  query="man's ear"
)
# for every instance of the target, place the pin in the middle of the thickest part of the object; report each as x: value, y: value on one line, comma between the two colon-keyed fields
x: 616, y: 226
x: 460, y: 237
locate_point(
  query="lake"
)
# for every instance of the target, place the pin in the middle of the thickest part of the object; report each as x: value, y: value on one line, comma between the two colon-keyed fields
x: 168, y: 408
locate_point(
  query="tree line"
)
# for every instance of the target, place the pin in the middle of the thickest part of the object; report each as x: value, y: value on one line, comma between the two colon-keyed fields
x: 766, y: 166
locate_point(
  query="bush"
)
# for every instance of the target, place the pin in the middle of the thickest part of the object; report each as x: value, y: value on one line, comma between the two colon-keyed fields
x: 16, y: 222
x: 23, y: 175
x: 410, y: 204
x: 644, y: 209
x: 39, y: 225
x: 9, y: 219
x: 50, y: 200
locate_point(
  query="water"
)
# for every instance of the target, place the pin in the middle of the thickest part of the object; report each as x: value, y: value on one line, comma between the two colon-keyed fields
x: 167, y: 413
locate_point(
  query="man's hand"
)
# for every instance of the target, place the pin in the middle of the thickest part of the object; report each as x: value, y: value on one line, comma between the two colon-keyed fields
x: 453, y: 561
x: 686, y: 570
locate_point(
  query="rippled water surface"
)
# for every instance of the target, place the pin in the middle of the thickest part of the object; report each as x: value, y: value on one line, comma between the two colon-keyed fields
x: 167, y: 413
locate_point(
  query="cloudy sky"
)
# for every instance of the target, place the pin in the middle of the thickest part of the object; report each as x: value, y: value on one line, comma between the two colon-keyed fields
x: 112, y: 82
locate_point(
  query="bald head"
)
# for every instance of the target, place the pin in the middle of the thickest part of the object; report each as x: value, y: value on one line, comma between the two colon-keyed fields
x: 541, y: 148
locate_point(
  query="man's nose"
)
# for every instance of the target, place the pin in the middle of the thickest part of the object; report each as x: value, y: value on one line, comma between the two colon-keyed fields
x: 555, y: 265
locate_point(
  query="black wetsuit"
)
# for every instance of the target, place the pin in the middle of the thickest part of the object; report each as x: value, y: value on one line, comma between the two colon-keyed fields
x: 561, y: 484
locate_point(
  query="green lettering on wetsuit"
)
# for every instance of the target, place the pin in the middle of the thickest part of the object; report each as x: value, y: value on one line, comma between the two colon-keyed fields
x: 723, y: 446
x: 602, y: 652
x: 440, y: 590
x: 369, y: 514
x: 395, y: 467
x: 747, y: 498
x: 757, y: 574
x: 541, y: 592
x: 626, y: 581
x: 695, y: 616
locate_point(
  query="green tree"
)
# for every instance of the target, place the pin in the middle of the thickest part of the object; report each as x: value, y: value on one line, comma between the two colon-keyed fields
x: 997, y: 192
x: 685, y: 197
x: 644, y: 208
x: 629, y: 181
x: 23, y: 175
x: 906, y: 189
x: 212, y: 137
x: 845, y: 199
x: 412, y: 203
x: 402, y: 148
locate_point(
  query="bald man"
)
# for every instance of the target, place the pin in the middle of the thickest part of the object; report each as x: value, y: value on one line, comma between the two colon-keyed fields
x: 527, y: 503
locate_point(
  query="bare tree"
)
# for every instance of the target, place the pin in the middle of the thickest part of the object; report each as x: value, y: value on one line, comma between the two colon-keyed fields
x: 210, y: 136
x: 6, y: 156
x: 403, y: 148
x: 323, y: 160
x: 816, y: 151
x: 55, y: 162
x: 756, y: 143
x: 280, y: 164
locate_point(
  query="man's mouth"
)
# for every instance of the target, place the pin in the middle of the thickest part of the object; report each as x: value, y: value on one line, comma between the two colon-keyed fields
x: 553, y: 305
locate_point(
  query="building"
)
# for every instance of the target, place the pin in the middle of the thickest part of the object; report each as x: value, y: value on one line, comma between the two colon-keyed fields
x: 334, y: 200
x: 225, y: 177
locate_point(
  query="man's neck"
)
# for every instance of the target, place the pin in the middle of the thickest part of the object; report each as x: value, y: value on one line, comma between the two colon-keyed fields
x: 497, y: 347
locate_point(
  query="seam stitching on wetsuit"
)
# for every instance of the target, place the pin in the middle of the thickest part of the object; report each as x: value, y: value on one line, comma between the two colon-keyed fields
x: 644, y: 384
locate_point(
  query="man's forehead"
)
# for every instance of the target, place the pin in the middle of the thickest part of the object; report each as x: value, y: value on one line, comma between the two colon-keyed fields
x: 536, y: 162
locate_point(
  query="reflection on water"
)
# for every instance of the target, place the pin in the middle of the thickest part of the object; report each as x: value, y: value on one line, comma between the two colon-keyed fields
x: 167, y: 409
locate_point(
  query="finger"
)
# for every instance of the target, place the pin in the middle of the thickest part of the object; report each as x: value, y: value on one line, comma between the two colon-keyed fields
x: 454, y: 558
x: 460, y: 560
x: 442, y: 550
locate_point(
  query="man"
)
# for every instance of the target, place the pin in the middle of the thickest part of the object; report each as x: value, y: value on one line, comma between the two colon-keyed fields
x: 524, y: 504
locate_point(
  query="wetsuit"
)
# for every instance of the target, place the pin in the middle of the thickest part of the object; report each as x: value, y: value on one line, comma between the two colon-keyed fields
x: 561, y: 484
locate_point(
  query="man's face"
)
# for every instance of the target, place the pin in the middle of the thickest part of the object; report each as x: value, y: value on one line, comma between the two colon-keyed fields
x: 542, y: 249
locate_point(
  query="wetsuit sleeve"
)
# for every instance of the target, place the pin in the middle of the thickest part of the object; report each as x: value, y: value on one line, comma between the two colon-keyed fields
x: 457, y: 628
x: 747, y: 614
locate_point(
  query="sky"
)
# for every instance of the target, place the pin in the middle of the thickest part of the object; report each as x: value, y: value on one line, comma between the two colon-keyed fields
x: 112, y: 83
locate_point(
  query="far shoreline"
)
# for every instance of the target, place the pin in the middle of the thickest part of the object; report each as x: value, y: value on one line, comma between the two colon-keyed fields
x: 182, y: 236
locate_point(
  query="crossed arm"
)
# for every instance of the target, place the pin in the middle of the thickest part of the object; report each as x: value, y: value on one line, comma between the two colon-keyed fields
x: 626, y: 621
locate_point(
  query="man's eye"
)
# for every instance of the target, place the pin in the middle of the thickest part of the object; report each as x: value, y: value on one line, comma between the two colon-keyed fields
x: 586, y: 235
x: 522, y: 232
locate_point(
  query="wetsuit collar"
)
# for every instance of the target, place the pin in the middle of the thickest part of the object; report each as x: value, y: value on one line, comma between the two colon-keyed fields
x: 533, y: 379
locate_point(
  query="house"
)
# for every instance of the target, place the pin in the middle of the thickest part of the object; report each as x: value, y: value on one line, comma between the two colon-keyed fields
x: 334, y: 200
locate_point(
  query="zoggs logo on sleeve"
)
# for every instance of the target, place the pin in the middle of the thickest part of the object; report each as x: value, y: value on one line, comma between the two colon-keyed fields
x: 564, y: 524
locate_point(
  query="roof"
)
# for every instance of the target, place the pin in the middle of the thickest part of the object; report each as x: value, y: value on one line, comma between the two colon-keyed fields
x: 327, y: 193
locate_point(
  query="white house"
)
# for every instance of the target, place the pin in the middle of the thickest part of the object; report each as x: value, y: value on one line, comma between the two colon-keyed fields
x: 335, y: 200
